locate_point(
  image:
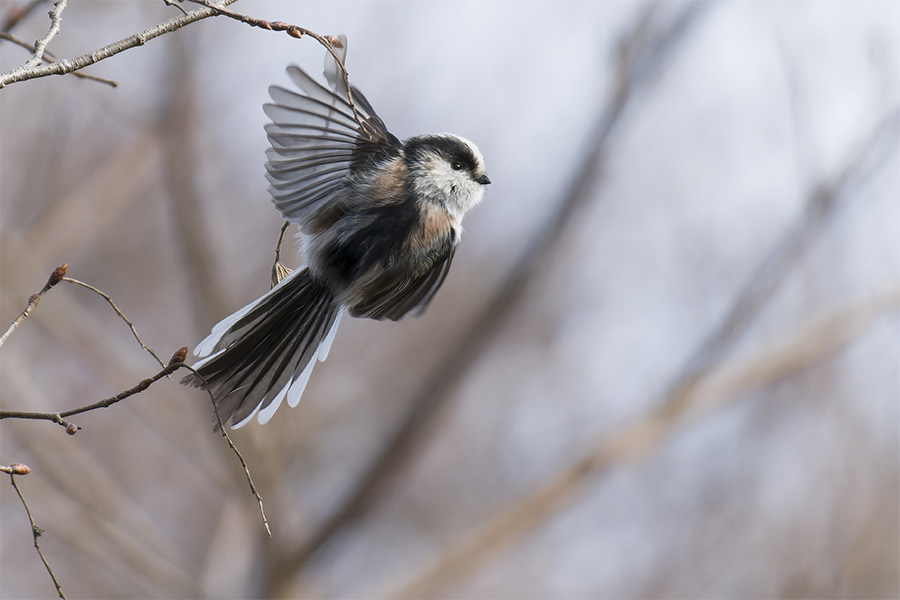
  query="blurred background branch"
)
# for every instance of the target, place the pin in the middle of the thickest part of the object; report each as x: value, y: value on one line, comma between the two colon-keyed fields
x: 640, y: 55
x: 18, y: 13
x: 810, y: 344
x: 702, y: 385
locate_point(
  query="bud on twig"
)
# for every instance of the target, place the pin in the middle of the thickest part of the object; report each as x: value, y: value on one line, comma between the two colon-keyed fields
x: 179, y: 356
x: 19, y: 469
x: 72, y: 428
x: 57, y: 274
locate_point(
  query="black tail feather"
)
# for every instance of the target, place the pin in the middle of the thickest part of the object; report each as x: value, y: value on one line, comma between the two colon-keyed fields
x: 266, y: 349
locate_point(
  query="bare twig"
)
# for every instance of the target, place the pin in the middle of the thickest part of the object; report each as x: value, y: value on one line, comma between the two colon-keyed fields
x: 49, y: 57
x: 636, y: 69
x: 55, y: 277
x: 234, y: 448
x: 58, y: 275
x: 175, y: 364
x: 41, y: 44
x: 122, y: 316
x: 328, y: 42
x: 35, y: 530
x: 279, y: 270
x: 176, y: 4
x: 59, y: 417
x: 63, y: 66
x: 810, y: 345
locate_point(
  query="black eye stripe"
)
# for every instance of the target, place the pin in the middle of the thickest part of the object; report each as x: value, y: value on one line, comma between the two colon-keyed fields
x: 445, y: 148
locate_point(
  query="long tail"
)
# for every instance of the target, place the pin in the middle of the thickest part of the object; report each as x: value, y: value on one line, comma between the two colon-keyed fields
x: 265, y: 352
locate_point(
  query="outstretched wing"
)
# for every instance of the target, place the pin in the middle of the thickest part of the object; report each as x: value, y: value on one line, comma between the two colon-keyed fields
x: 316, y: 141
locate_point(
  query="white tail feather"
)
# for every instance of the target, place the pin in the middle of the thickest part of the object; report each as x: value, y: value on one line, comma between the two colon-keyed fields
x: 294, y: 388
x: 325, y: 346
x: 248, y: 418
x: 266, y: 413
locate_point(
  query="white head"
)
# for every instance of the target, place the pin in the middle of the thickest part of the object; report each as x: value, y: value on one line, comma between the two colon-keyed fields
x: 446, y: 169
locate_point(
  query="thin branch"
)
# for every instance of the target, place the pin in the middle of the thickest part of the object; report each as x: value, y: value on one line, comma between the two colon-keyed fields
x: 176, y: 4
x: 55, y: 277
x: 234, y: 448
x: 798, y: 351
x: 636, y: 69
x: 328, y: 42
x: 59, y: 417
x: 35, y: 530
x: 63, y: 66
x: 58, y: 275
x: 49, y: 57
x: 41, y: 44
x: 175, y: 364
x: 122, y: 316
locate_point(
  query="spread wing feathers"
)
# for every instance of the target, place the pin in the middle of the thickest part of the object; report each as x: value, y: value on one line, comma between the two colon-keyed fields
x: 395, y: 300
x: 266, y: 351
x: 316, y: 139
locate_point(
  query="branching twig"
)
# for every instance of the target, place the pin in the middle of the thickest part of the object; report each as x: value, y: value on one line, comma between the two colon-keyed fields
x: 122, y: 316
x: 41, y: 44
x: 19, y: 469
x: 175, y: 364
x: 328, y: 42
x: 49, y: 57
x: 59, y: 417
x: 55, y: 277
x: 63, y: 66
x: 176, y: 4
x: 58, y: 275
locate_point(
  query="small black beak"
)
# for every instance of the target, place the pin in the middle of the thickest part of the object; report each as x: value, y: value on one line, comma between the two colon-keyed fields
x: 483, y: 180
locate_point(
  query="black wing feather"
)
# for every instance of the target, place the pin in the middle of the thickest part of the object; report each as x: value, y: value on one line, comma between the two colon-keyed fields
x: 317, y: 140
x: 395, y: 300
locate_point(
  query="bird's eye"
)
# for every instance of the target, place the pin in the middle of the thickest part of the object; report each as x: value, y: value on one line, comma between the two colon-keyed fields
x: 456, y: 165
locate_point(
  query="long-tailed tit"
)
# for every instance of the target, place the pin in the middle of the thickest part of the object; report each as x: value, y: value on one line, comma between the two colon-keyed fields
x: 379, y: 223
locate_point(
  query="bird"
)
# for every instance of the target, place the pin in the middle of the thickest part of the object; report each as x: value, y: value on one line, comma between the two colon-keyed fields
x: 379, y: 222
